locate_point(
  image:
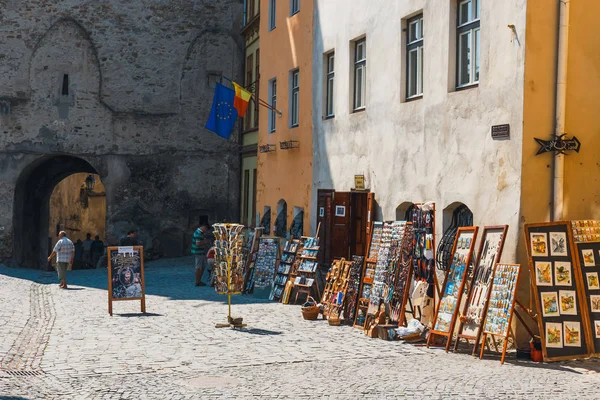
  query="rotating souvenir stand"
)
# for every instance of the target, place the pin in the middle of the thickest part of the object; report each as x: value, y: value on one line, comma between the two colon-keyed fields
x: 284, y: 269
x: 454, y: 283
x: 336, y: 286
x: 501, y: 306
x: 587, y: 242
x: 229, y: 266
x: 353, y: 288
x: 306, y: 279
x: 557, y: 283
x: 472, y: 317
x: 370, y: 263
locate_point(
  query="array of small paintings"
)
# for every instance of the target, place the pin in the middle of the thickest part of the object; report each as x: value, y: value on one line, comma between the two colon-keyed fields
x: 565, y: 334
x: 562, y: 303
x: 586, y: 231
x: 557, y: 246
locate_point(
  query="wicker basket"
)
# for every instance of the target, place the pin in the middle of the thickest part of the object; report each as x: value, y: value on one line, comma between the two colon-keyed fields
x: 334, y: 321
x: 311, y: 313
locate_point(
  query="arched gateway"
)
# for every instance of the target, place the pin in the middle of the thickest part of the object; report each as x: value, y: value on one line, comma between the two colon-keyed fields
x: 31, y: 212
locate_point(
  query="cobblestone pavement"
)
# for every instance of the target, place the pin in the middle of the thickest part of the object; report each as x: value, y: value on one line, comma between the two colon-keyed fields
x: 57, y: 344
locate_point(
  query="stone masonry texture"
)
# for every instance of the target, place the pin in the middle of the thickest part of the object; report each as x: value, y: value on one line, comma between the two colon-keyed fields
x: 123, y: 89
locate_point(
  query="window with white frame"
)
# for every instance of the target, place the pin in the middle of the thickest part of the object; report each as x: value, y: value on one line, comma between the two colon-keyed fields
x: 273, y: 112
x: 414, y: 57
x: 468, y: 42
x: 329, y: 60
x: 360, y: 74
x: 294, y: 96
x: 272, y: 12
x: 294, y: 6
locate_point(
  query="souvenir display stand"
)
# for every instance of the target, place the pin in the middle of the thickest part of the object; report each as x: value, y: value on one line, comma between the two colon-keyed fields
x: 251, y: 252
x: 454, y: 283
x: 587, y: 243
x: 126, y: 275
x: 353, y: 288
x: 284, y: 269
x: 230, y: 269
x: 370, y: 263
x: 423, y: 223
x: 559, y: 292
x: 472, y: 316
x: 306, y: 279
x: 265, y: 265
x: 336, y: 286
x: 399, y: 298
x: 501, y: 306
x: 289, y: 286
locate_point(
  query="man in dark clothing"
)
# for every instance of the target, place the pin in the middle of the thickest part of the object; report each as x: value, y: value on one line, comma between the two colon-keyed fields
x: 97, y: 250
x: 87, y: 251
x: 201, y: 242
x: 129, y: 240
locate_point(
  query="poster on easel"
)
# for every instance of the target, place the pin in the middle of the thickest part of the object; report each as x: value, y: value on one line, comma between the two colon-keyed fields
x: 558, y: 291
x: 473, y: 314
x: 501, y: 306
x: 587, y: 242
x: 126, y: 275
x: 454, y: 282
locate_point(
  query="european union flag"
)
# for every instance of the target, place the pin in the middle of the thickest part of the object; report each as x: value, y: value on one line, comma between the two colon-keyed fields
x: 223, y: 114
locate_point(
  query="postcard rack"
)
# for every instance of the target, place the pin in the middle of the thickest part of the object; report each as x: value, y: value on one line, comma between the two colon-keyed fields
x: 305, y: 279
x: 284, y: 269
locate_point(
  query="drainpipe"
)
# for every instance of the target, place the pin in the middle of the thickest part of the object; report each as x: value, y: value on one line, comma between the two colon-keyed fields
x: 561, y: 94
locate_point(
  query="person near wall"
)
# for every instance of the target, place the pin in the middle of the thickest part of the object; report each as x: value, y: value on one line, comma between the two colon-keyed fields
x: 202, y: 241
x: 64, y: 250
x: 97, y: 250
x: 87, y: 251
x: 130, y: 239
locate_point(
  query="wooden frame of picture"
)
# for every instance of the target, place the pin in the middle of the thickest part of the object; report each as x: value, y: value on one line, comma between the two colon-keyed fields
x: 451, y: 282
x: 479, y: 295
x: 126, y: 250
x: 550, y: 317
x: 498, y: 291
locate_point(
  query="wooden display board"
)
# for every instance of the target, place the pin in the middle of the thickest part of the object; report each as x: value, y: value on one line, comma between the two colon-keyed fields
x: 284, y: 269
x: 266, y: 262
x: 353, y: 288
x: 454, y: 282
x: 558, y: 291
x: 305, y: 280
x: 473, y: 314
x: 587, y: 243
x: 126, y: 275
x: 375, y: 237
x: 501, y: 305
x: 336, y: 286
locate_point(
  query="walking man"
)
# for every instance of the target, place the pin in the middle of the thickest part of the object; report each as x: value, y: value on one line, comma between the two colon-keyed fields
x: 65, y: 253
x: 201, y: 243
x: 87, y: 250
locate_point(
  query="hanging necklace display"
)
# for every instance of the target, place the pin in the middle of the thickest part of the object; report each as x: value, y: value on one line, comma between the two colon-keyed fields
x: 230, y: 268
x: 353, y: 287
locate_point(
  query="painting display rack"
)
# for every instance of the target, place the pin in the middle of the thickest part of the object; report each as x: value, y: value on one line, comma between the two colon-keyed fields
x: 479, y: 282
x: 370, y: 263
x: 284, y: 269
x: 305, y: 281
x: 453, y: 287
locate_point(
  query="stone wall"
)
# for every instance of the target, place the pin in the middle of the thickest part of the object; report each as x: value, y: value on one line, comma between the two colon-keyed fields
x: 122, y: 89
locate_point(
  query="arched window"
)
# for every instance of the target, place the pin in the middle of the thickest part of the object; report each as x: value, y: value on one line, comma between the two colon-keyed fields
x: 281, y: 220
x: 265, y: 222
x: 403, y: 211
x: 297, y: 227
x: 456, y: 215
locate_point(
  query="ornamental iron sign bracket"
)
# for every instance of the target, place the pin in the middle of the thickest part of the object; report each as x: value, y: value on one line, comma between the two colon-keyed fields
x: 560, y: 145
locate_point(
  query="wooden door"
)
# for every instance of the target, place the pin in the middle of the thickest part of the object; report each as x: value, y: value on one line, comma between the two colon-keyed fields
x: 324, y: 219
x: 358, y: 222
x: 341, y: 229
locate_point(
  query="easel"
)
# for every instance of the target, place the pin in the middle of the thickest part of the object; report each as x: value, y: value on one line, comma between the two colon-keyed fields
x: 126, y: 250
x: 471, y: 285
x: 487, y: 326
x: 467, y: 262
x: 228, y: 237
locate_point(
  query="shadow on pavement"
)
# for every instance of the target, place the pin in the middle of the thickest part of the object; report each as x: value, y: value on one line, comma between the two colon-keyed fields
x: 129, y: 315
x: 262, y: 332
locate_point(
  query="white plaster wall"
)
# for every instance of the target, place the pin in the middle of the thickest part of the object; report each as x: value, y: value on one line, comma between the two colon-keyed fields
x: 438, y: 148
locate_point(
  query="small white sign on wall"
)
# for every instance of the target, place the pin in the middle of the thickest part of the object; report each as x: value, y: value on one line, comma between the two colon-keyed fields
x: 340, y: 211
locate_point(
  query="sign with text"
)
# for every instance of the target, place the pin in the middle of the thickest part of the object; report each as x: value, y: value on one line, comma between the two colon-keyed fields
x: 359, y: 182
x: 126, y: 275
x: 501, y: 131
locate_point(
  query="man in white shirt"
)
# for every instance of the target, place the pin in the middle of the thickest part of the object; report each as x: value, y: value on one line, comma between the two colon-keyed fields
x: 65, y: 253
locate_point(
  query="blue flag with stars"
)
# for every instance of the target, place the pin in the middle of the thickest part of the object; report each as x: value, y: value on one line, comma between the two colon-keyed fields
x: 223, y: 114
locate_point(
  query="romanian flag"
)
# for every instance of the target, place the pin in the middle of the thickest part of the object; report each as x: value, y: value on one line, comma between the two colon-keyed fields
x: 242, y: 97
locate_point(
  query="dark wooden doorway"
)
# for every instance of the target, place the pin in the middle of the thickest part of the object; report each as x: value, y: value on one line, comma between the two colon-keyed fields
x: 345, y: 219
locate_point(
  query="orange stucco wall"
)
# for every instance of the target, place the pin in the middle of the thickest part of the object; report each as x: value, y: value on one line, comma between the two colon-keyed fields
x: 286, y: 174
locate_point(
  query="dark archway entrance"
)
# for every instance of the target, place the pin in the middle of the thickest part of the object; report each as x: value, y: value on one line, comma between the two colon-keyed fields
x: 32, y: 205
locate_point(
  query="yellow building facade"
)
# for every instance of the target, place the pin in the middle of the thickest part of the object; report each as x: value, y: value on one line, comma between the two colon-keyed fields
x: 285, y: 137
